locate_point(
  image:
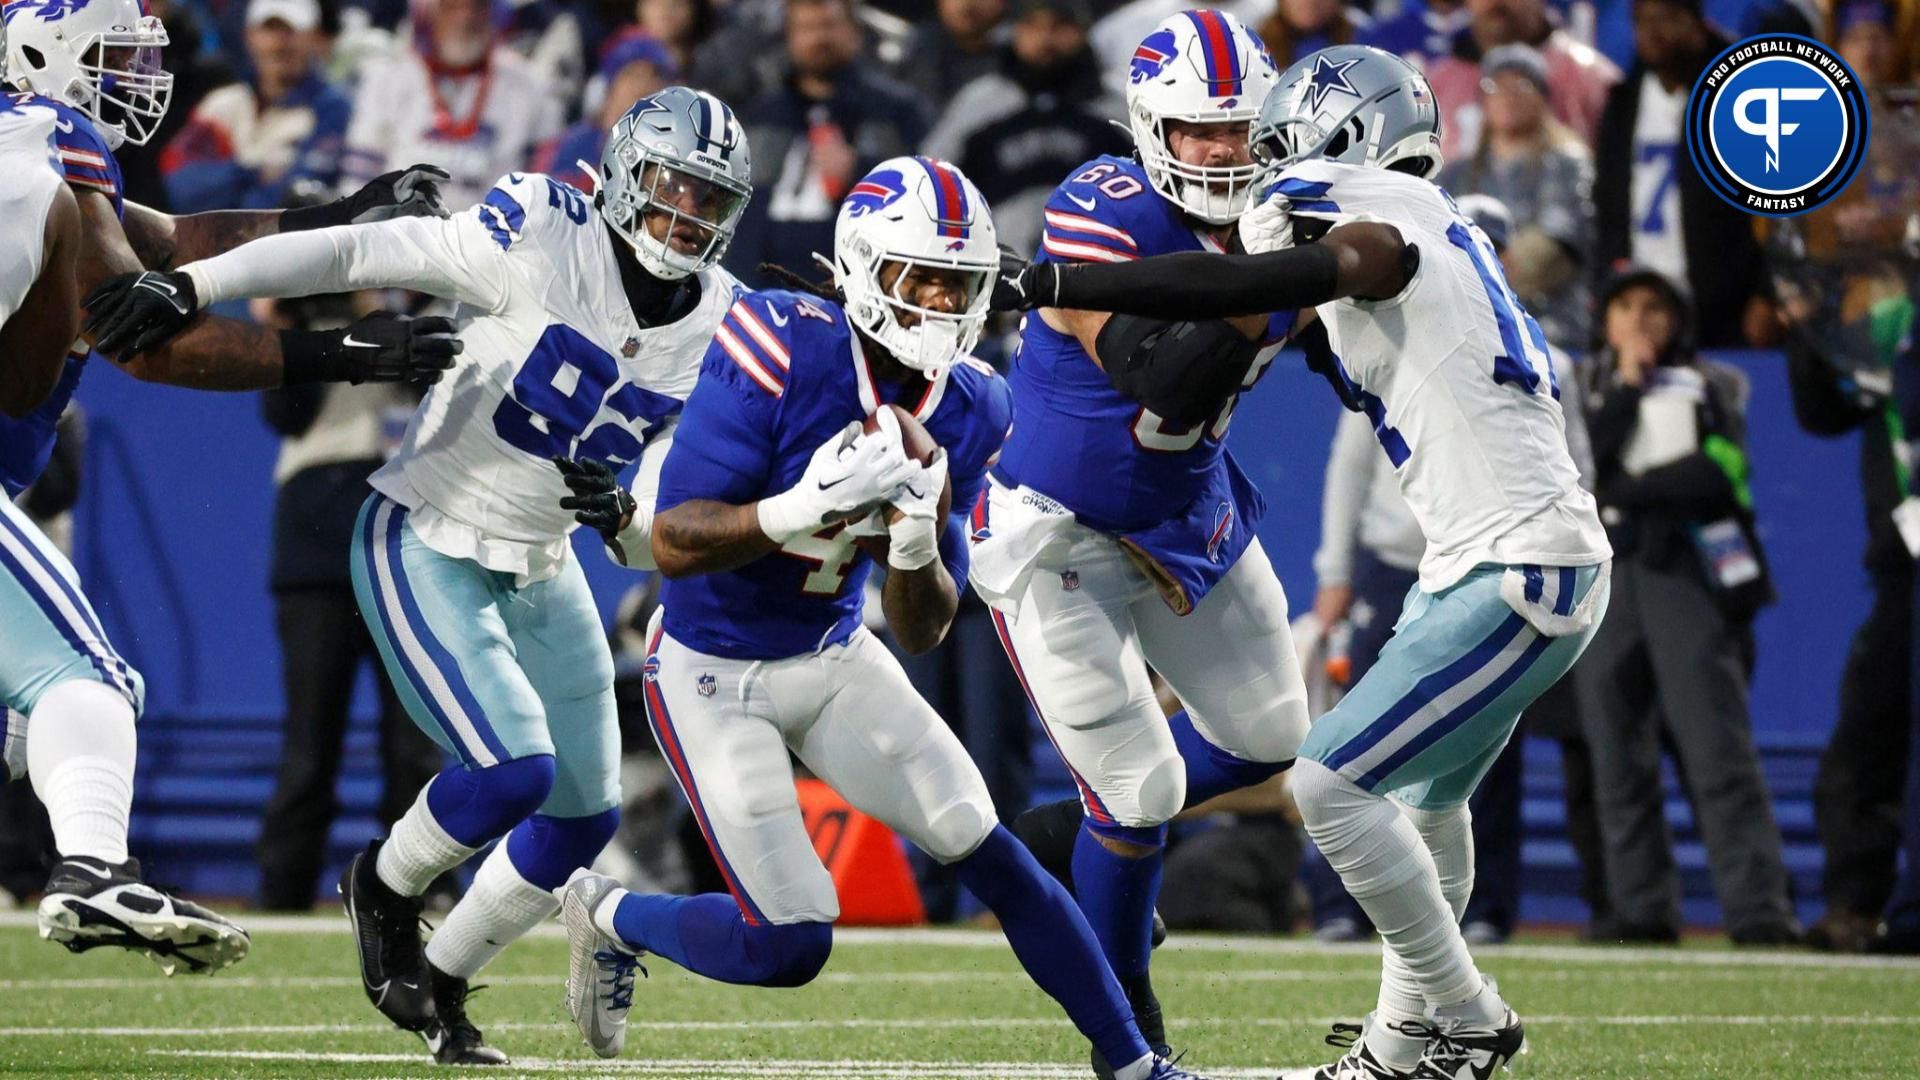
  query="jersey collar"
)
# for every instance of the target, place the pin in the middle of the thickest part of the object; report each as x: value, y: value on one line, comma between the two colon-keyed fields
x: 868, y: 389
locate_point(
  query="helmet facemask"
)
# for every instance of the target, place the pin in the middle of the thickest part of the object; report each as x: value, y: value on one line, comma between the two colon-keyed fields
x: 113, y: 77
x: 1215, y: 194
x: 697, y: 210
x: 923, y: 338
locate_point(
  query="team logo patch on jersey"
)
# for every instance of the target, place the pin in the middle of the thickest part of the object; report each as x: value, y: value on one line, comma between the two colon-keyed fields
x: 1222, y: 531
x: 1152, y: 56
x: 876, y: 191
x: 1777, y: 125
x: 706, y: 685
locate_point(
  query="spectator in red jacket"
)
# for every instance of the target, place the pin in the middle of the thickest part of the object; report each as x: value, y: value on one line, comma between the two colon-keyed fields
x: 1577, y: 76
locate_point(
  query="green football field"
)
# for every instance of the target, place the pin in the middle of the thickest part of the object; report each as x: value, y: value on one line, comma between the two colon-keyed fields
x: 931, y: 1005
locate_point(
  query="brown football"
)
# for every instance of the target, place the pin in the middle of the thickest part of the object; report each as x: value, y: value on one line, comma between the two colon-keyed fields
x: 920, y: 447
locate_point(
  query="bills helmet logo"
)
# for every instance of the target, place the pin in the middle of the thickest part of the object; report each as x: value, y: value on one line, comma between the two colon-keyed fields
x: 51, y: 10
x: 1152, y: 56
x: 876, y: 191
x: 1222, y: 531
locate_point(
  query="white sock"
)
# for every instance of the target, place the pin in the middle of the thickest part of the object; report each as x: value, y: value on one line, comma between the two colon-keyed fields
x: 1448, y: 835
x: 14, y: 748
x: 418, y: 850
x: 499, y: 908
x: 603, y: 913
x: 1139, y: 1070
x: 80, y: 756
x: 1387, y: 868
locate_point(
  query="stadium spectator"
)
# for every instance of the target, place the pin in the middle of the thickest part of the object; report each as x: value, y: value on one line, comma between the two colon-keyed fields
x: 1421, y: 32
x: 682, y: 26
x: 1023, y: 128
x: 250, y: 144
x: 958, y: 45
x: 1673, y: 658
x: 1578, y: 76
x: 332, y: 438
x: 1901, y: 933
x: 1296, y: 28
x: 198, y: 67
x: 1651, y: 206
x: 453, y: 96
x: 1543, y: 173
x: 828, y: 122
x: 635, y: 65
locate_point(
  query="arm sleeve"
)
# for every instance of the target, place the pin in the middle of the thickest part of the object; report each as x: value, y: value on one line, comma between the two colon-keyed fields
x: 637, y: 538
x: 723, y: 446
x: 1197, y: 285
x: 1349, y: 474
x: 452, y: 257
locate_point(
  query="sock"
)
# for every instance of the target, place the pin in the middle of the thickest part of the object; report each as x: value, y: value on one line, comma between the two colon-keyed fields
x: 1054, y: 943
x: 1212, y: 771
x: 81, y: 757
x: 1448, y: 835
x: 14, y: 749
x: 1117, y: 893
x: 708, y: 936
x: 1050, y: 831
x: 1387, y: 868
x: 499, y: 908
x: 546, y: 850
x: 417, y: 849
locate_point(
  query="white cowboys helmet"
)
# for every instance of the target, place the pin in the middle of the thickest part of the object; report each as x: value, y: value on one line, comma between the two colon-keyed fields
x: 915, y: 212
x: 102, y: 57
x: 680, y: 156
x: 1200, y: 67
x: 1353, y: 104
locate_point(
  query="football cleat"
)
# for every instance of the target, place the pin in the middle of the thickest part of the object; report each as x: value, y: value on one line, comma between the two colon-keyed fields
x: 386, y: 935
x: 1358, y: 1063
x: 1165, y: 1068
x: 451, y: 1037
x: 599, y: 968
x: 1458, y: 1050
x: 90, y: 903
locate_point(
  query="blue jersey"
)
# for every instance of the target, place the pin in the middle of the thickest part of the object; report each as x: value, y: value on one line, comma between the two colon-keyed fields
x: 1113, y: 462
x: 87, y: 164
x: 784, y: 374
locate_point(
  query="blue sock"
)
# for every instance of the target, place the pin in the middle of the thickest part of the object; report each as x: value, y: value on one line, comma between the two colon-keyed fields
x: 1212, y: 771
x: 1118, y: 893
x: 547, y: 850
x: 708, y: 936
x: 1053, y: 942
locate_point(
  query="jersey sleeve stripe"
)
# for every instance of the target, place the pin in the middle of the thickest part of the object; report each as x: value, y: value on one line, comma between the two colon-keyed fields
x: 749, y: 363
x: 763, y: 336
x: 82, y: 157
x: 1063, y: 221
x: 92, y: 182
x: 1085, y: 250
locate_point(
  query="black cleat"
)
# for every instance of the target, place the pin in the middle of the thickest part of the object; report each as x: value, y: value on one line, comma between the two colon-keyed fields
x: 1468, y: 1051
x: 386, y: 934
x: 90, y: 903
x: 452, y: 1038
x: 1146, y: 1015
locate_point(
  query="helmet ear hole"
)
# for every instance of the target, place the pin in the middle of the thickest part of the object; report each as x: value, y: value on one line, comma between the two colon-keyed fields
x: 34, y: 57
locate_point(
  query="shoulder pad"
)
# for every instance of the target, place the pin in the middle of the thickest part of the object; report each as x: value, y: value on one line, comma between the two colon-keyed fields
x: 760, y: 331
x: 524, y: 205
x: 1092, y: 216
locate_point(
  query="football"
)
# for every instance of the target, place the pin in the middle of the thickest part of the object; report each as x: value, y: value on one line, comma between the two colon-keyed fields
x: 920, y: 446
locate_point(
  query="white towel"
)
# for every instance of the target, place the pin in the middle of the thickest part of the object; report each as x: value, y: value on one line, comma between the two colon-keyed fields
x: 1021, y: 525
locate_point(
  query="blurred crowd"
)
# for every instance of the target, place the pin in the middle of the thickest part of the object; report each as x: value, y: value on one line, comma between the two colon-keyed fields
x: 1565, y: 116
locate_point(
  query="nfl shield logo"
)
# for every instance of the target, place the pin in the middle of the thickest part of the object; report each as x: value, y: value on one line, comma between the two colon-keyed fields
x: 630, y: 347
x: 1069, y: 579
x: 705, y: 686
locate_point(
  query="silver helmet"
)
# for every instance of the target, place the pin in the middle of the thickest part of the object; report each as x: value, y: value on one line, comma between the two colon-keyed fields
x: 1353, y: 104
x: 680, y: 158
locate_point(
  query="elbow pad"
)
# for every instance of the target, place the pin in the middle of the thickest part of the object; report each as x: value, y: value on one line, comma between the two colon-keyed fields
x: 1184, y: 371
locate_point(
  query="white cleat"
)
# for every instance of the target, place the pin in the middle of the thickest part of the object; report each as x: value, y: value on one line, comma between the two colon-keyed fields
x: 1357, y: 1064
x: 90, y: 903
x: 599, y: 968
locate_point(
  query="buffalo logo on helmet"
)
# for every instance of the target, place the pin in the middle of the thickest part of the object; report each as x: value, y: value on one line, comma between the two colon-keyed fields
x: 876, y: 191
x: 1152, y: 56
x: 51, y: 10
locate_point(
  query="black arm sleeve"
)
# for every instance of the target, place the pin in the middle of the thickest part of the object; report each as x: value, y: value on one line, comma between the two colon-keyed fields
x: 291, y: 410
x: 1183, y: 371
x: 1201, y: 285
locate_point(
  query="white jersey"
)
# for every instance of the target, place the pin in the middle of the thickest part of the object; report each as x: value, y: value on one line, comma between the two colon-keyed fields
x: 555, y: 362
x: 1457, y: 380
x: 29, y: 180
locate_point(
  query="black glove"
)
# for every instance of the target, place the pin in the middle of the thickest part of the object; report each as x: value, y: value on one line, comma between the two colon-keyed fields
x: 598, y: 500
x: 133, y: 313
x: 1023, y: 286
x: 382, y: 347
x: 409, y: 192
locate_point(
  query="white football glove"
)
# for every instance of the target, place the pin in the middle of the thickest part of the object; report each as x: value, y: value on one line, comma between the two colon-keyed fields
x: 914, y: 540
x: 1268, y: 226
x: 849, y: 473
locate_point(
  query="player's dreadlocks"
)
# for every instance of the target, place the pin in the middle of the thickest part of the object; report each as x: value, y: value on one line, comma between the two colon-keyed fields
x: 826, y: 289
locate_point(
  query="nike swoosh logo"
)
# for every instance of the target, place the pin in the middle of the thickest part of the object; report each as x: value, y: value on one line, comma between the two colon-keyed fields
x: 101, y: 874
x: 778, y: 319
x: 352, y: 342
x: 1084, y: 204
x: 824, y: 485
x: 65, y: 127
x: 160, y: 286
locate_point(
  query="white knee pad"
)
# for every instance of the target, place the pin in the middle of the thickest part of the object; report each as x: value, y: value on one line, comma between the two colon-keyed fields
x: 1277, y: 732
x: 1163, y: 792
x: 956, y: 830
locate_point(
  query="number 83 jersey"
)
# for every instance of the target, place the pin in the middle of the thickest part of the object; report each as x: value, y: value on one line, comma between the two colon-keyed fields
x: 555, y: 365
x: 1115, y: 464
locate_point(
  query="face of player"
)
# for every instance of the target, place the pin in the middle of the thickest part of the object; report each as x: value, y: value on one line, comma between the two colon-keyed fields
x: 1213, y: 146
x: 682, y: 209
x: 936, y: 288
x: 1514, y: 104
x: 1639, y: 315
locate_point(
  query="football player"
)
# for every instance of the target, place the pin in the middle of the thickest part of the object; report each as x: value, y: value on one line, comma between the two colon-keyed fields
x: 1118, y: 534
x: 1423, y: 335
x: 759, y: 651
x: 585, y: 320
x: 85, y: 73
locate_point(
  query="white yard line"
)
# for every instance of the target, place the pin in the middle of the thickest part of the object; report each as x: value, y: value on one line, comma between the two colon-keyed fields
x: 704, y: 1068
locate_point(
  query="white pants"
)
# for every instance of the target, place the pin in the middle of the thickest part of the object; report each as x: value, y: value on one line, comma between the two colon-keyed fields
x: 848, y: 712
x: 1090, y: 624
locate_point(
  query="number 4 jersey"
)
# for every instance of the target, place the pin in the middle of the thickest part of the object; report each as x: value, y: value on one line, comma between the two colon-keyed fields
x: 555, y: 364
x: 1176, y: 493
x: 1457, y: 381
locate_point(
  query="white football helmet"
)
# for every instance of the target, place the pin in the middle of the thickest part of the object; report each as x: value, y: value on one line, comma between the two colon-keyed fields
x: 915, y: 211
x: 1202, y: 67
x: 102, y: 57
